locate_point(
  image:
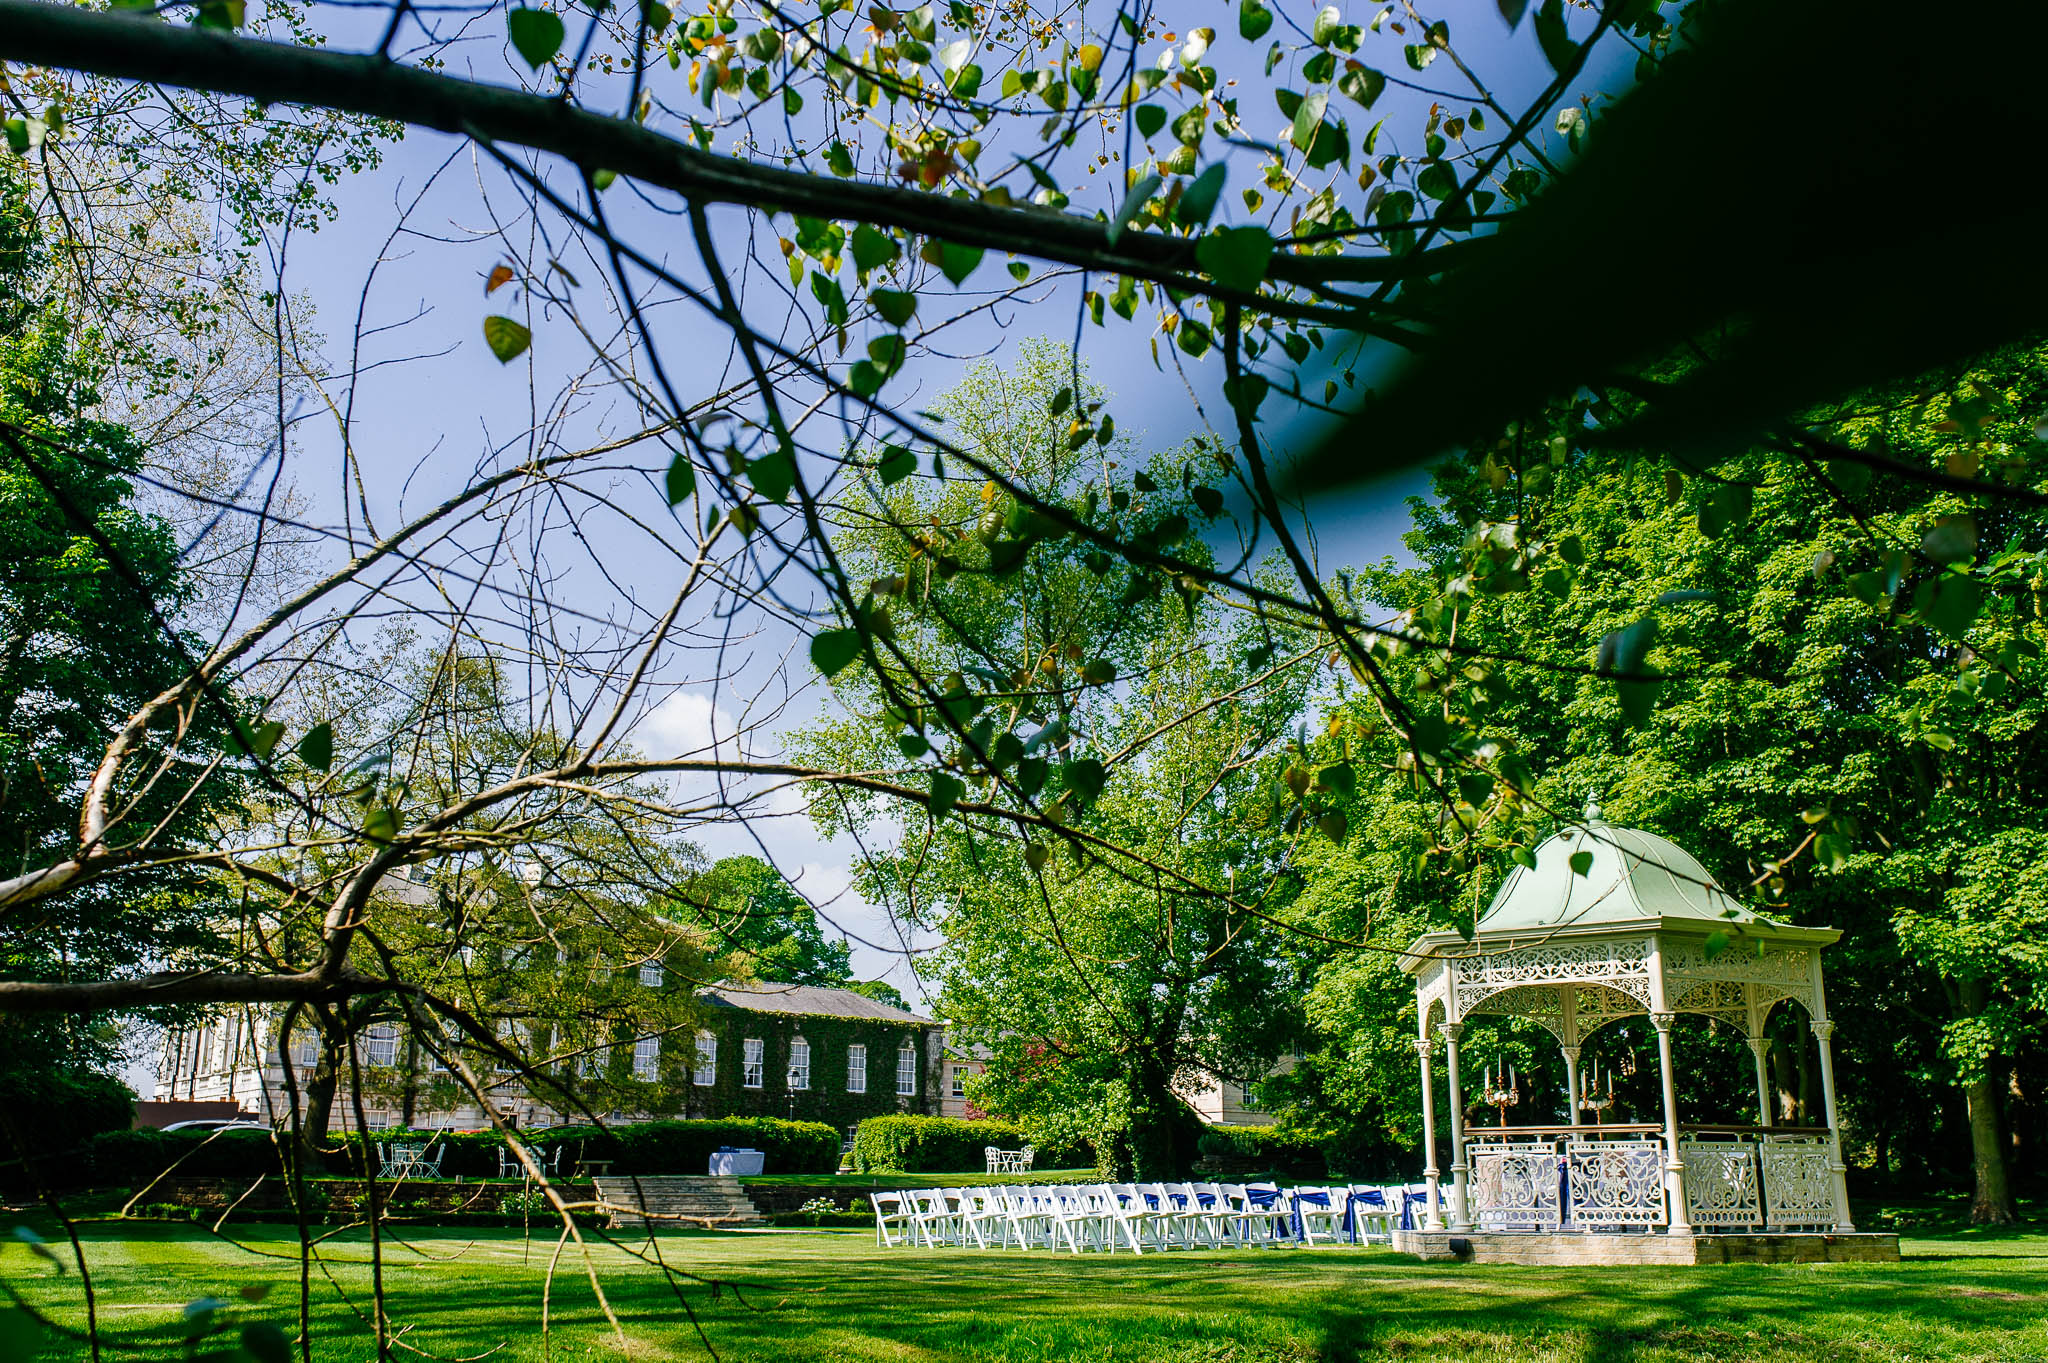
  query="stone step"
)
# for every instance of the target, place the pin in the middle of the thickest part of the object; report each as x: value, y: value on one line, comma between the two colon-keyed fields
x: 677, y: 1200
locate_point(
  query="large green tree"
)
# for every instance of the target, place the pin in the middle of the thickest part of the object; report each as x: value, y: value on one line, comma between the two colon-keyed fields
x: 90, y: 592
x: 1816, y: 700
x: 1103, y: 988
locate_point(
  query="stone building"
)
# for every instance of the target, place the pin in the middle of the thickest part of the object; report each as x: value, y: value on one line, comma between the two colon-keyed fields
x: 764, y: 1050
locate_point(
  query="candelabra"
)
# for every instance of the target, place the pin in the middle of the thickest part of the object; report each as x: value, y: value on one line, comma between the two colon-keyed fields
x: 1500, y: 1095
x: 1591, y: 1099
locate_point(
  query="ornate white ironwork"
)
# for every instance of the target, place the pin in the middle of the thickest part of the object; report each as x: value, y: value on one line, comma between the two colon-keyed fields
x: 1616, y: 1183
x: 1799, y: 1182
x: 1720, y: 1182
x: 1621, y: 964
x: 1516, y: 1185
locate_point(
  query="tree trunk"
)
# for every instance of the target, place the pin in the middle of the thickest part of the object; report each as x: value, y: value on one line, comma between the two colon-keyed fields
x: 1991, y: 1204
x: 319, y: 1110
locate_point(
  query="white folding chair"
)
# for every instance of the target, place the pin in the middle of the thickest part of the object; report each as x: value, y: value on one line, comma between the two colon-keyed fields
x: 1124, y: 1211
x: 1259, y: 1211
x: 936, y: 1215
x: 890, y: 1211
x: 1373, y: 1216
x: 1318, y: 1211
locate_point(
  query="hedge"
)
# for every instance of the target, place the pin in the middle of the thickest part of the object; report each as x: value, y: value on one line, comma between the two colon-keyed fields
x: 132, y: 1158
x: 1287, y: 1154
x: 941, y: 1145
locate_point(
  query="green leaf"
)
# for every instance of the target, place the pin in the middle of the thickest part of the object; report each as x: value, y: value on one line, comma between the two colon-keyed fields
x: 1362, y: 84
x: 1019, y: 270
x: 1208, y: 499
x: 1437, y: 180
x: 1951, y: 540
x: 833, y: 649
x: 506, y: 338
x: 1340, y: 777
x: 601, y: 180
x: 897, y: 463
x: 1308, y: 116
x: 1716, y: 943
x: 1141, y: 193
x: 381, y: 824
x: 1245, y: 393
x: 1198, y: 200
x: 1150, y: 119
x: 1581, y: 863
x: 1061, y: 401
x: 1328, y: 20
x: 1031, y: 772
x: 1334, y: 825
x: 839, y: 160
x: 1253, y: 19
x: 958, y: 262
x: 1098, y: 672
x: 1034, y: 855
x: 1953, y: 605
x: 773, y: 475
x: 872, y: 247
x: 896, y: 306
x: 20, y: 1334
x: 681, y: 480
x: 536, y: 35
x: 1638, y: 700
x: 264, y: 1341
x: 1236, y: 257
x: 266, y: 738
x: 946, y: 792
x: 1558, y: 48
x: 913, y: 746
x: 1085, y: 777
x: 966, y: 82
x: 316, y: 749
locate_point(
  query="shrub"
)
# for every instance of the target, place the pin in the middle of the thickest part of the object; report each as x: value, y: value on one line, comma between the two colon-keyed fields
x: 940, y: 1145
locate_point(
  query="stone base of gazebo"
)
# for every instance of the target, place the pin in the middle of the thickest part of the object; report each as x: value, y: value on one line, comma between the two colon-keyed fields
x: 1584, y: 1250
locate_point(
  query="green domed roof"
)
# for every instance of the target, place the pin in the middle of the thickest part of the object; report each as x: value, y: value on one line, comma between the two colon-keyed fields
x: 1634, y: 875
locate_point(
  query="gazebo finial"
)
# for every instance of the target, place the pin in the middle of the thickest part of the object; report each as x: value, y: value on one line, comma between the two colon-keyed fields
x: 1592, y: 805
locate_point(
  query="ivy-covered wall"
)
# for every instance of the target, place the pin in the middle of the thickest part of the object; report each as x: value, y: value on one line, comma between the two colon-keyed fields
x: 827, y: 1099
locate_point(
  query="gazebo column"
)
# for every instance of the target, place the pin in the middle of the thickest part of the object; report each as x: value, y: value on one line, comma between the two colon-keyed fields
x: 1435, y: 1217
x: 1760, y: 1049
x: 1674, y: 1168
x: 1823, y: 1031
x: 1571, y: 1084
x: 1461, y: 1208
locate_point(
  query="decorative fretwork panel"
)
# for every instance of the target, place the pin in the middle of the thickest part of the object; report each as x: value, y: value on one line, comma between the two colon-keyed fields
x: 1516, y: 1185
x: 1622, y: 966
x: 1799, y: 1181
x: 1616, y: 1183
x: 1720, y: 1182
x: 1777, y: 965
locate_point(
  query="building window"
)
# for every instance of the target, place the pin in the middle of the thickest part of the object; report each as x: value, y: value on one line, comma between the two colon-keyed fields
x: 799, y: 1064
x: 706, y: 1073
x: 509, y: 1036
x: 906, y: 1071
x: 305, y: 1049
x: 652, y: 974
x: 380, y: 1045
x: 1248, y: 1097
x: 959, y: 1081
x: 754, y: 1062
x: 856, y: 1069
x: 647, y: 1057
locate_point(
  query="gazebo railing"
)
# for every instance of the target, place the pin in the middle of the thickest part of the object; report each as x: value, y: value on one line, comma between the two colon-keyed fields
x: 1611, y: 1177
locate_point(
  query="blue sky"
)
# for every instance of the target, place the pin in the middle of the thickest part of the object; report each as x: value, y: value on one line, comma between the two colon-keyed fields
x: 424, y: 424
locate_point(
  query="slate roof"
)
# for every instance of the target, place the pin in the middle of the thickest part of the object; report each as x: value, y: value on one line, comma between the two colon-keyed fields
x: 806, y: 1000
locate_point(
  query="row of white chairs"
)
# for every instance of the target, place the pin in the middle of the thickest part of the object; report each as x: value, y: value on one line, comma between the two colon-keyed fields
x: 1133, y: 1216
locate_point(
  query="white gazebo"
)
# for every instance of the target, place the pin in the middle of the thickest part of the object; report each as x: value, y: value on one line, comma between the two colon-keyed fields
x: 1613, y: 923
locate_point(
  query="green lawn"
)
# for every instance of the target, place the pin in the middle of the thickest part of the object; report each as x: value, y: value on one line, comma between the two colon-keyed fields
x: 833, y: 1295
